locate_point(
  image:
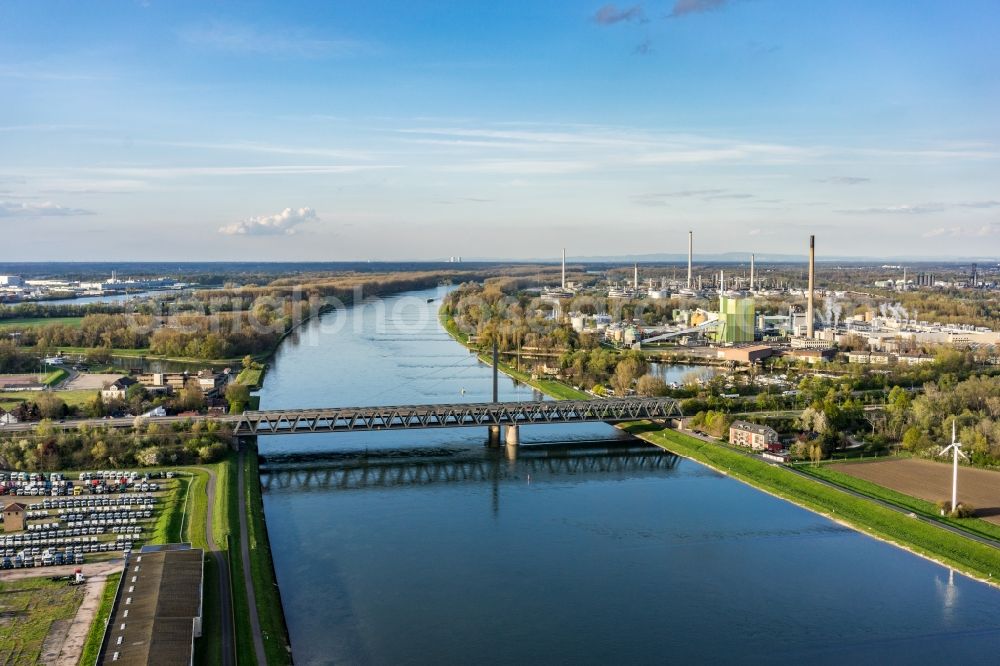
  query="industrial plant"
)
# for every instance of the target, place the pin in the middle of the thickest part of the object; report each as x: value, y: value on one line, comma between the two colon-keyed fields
x: 739, y: 316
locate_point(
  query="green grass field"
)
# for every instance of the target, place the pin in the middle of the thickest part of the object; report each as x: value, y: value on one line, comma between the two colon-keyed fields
x: 252, y: 377
x: 34, y: 322
x: 167, y: 528
x: 54, y: 377
x: 11, y: 399
x: 208, y: 648
x: 29, y: 606
x: 96, y: 633
x: 962, y: 553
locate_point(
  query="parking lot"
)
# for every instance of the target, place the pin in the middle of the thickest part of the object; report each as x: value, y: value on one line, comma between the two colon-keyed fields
x: 73, y: 518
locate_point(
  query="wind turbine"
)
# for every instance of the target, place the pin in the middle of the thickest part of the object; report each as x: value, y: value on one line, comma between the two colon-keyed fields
x: 956, y: 448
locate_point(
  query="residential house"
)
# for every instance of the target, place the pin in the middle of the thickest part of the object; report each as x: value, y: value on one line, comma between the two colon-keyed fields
x: 117, y: 389
x: 915, y: 359
x: 208, y: 381
x: 862, y: 357
x: 812, y: 356
x: 753, y: 436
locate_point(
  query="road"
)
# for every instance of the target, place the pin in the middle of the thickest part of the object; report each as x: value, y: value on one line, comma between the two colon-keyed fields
x: 258, y: 641
x: 124, y: 422
x: 222, y: 566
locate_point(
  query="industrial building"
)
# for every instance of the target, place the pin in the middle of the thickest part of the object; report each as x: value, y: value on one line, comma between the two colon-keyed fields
x: 157, y: 611
x: 746, y: 353
x: 736, y: 317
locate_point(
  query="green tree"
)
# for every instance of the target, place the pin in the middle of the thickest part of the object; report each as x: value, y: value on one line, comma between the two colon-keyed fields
x: 238, y: 396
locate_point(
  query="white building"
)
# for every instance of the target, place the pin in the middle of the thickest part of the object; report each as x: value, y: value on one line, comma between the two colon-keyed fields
x: 11, y: 281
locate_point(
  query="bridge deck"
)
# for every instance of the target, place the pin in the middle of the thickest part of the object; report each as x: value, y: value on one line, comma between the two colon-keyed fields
x: 413, y: 417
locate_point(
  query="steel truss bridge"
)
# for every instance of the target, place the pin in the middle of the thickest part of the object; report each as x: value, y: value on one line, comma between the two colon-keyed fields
x: 532, y: 462
x: 414, y: 417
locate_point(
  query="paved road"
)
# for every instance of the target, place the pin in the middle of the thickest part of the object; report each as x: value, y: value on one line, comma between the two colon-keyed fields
x: 258, y: 641
x: 123, y: 422
x: 222, y: 566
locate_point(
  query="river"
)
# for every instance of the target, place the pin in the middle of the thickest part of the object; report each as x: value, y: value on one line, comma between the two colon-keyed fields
x: 426, y: 547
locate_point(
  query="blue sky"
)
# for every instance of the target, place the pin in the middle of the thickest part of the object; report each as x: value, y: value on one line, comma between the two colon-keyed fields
x: 418, y: 130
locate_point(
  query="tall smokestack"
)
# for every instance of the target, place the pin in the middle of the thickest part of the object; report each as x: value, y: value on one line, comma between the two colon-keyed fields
x: 812, y: 286
x: 690, y: 253
x: 751, y: 272
x: 564, y: 269
x: 635, y: 277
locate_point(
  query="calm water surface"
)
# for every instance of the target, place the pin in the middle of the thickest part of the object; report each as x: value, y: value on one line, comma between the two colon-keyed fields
x: 426, y: 547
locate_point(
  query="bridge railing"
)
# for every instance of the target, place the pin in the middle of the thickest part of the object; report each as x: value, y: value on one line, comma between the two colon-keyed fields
x: 406, y: 417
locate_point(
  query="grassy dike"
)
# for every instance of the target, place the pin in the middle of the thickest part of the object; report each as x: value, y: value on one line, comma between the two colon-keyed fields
x: 208, y: 648
x: 970, y: 557
x: 909, y: 503
x: 269, y: 609
x: 96, y: 634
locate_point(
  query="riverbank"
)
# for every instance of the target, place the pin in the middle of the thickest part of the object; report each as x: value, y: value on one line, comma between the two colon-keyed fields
x: 972, y: 558
x: 550, y: 387
x: 256, y: 569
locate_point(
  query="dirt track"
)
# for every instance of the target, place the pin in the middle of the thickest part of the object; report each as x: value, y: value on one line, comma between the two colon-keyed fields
x: 931, y: 481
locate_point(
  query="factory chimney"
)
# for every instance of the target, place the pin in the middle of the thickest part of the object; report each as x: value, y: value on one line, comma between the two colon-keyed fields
x: 751, y: 272
x: 635, y: 277
x: 812, y: 286
x: 690, y: 252
x: 564, y: 269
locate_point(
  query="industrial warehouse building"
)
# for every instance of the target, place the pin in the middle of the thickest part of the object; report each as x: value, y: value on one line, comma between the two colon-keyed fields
x: 737, y: 319
x: 745, y: 353
x: 157, y: 609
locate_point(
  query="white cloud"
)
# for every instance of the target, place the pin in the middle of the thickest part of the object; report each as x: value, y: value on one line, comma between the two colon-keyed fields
x: 283, y: 223
x: 38, y: 209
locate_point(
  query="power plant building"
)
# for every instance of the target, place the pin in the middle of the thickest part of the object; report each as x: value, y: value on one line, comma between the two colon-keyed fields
x: 736, y: 317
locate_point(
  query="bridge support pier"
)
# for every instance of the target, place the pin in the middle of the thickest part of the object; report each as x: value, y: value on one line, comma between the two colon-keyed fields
x: 513, y: 435
x: 493, y: 439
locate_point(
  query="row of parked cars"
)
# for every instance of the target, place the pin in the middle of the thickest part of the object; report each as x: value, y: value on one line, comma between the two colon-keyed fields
x: 17, y: 542
x: 38, y: 484
x: 47, y: 558
x: 131, y: 475
x: 104, y: 518
x: 98, y: 502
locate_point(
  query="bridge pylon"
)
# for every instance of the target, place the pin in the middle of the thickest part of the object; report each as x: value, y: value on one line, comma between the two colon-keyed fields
x: 493, y: 436
x: 513, y: 437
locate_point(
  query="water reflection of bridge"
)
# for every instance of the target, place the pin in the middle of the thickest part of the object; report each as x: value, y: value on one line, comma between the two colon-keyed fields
x: 422, y: 467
